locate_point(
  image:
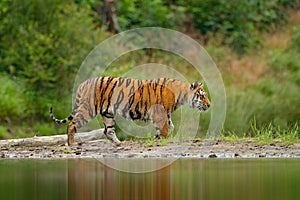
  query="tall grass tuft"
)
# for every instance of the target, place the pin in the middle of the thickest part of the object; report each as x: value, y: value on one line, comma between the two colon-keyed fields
x: 271, y: 132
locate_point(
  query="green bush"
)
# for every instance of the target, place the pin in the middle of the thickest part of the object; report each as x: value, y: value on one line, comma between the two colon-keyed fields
x: 237, y: 20
x: 280, y: 103
x: 285, y: 65
x: 136, y: 13
x: 12, y: 104
x: 44, y: 129
x: 296, y: 37
x: 44, y: 43
x: 270, y: 101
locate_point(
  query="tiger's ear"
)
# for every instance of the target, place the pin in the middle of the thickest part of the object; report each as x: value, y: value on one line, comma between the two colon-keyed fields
x: 195, y: 85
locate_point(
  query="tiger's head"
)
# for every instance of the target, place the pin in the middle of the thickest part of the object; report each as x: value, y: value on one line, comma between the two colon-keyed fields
x: 199, y: 98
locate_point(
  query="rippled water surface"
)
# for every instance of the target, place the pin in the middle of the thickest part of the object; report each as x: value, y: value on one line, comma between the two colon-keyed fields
x: 184, y: 179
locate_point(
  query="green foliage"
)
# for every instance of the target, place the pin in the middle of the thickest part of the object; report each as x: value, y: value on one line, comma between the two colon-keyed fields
x: 136, y: 13
x: 240, y: 109
x: 296, y: 37
x: 11, y: 103
x: 280, y: 101
x: 44, y: 43
x: 237, y: 20
x: 269, y: 102
x: 286, y: 65
x: 2, y: 131
x: 43, y: 129
x: 281, y: 88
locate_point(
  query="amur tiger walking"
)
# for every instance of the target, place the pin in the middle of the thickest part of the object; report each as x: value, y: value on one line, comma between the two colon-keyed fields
x: 133, y: 99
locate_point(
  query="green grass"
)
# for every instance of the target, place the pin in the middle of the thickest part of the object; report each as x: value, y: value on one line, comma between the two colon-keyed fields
x: 267, y: 134
x: 231, y: 137
x: 275, y: 134
x: 153, y: 142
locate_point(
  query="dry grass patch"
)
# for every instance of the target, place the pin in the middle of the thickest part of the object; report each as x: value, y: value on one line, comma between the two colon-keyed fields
x: 245, y: 71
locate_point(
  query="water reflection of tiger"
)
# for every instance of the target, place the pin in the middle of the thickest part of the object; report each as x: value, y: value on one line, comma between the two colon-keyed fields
x: 133, y: 99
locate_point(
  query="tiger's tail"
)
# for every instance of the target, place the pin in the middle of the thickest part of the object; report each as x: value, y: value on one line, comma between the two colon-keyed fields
x: 59, y: 121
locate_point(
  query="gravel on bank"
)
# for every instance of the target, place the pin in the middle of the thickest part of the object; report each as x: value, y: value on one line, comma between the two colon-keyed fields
x: 103, y: 148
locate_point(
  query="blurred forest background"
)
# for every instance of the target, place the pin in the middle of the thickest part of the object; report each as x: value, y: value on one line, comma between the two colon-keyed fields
x: 255, y: 44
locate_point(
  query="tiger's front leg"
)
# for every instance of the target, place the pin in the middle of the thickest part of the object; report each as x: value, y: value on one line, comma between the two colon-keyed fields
x: 160, y: 119
x: 109, y: 130
x: 171, y: 125
x: 161, y: 131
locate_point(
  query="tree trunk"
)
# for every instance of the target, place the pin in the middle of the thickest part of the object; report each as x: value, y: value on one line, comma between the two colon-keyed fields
x: 107, y: 11
x: 54, y: 140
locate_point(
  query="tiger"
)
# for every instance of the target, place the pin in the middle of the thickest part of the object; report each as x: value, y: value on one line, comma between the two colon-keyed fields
x: 132, y: 99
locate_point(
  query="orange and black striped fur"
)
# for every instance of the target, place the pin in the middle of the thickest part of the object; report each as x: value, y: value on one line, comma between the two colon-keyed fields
x: 133, y: 99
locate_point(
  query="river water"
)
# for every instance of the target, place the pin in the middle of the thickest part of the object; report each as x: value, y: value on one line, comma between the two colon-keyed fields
x: 259, y: 178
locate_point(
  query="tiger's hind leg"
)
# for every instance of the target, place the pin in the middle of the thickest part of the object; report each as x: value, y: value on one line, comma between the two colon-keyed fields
x: 81, y: 117
x: 109, y: 130
x: 71, y: 130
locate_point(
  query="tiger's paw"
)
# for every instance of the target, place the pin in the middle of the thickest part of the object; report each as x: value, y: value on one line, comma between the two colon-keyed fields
x: 117, y: 144
x: 115, y: 140
x: 72, y: 144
